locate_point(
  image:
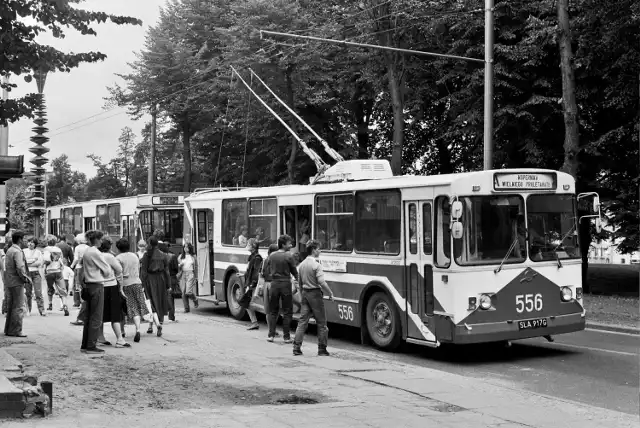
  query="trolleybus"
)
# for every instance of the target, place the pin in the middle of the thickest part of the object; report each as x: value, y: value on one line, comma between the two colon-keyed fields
x: 132, y: 217
x: 460, y: 258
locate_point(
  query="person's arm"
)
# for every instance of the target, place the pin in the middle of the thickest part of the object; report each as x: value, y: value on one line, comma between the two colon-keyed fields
x: 167, y: 274
x: 98, y: 259
x: 292, y: 267
x: 39, y: 259
x: 321, y: 281
x: 21, y: 266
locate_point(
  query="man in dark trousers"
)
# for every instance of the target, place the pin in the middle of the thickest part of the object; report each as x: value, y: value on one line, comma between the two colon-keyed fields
x: 15, y: 277
x: 313, y: 287
x: 282, y: 266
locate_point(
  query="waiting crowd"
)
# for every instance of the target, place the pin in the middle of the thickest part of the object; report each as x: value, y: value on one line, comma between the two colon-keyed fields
x: 123, y: 288
x: 108, y: 288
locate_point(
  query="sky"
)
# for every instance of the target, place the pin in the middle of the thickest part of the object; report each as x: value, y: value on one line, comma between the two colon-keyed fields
x: 78, y: 124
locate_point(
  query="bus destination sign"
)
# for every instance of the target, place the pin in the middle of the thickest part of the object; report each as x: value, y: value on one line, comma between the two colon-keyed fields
x: 167, y: 200
x: 524, y: 181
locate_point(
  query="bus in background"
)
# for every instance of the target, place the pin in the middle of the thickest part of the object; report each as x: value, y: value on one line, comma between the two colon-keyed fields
x: 163, y: 212
x: 487, y: 256
x: 115, y: 217
x: 131, y: 217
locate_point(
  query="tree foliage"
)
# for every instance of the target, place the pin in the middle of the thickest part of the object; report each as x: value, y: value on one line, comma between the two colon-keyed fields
x: 425, y: 114
x: 22, y: 54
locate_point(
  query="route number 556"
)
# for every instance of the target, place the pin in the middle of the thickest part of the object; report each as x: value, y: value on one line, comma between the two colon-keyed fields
x: 528, y: 302
x: 345, y: 312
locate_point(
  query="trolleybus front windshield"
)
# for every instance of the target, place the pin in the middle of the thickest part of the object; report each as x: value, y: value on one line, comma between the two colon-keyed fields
x: 552, y: 227
x: 494, y: 230
x: 169, y: 222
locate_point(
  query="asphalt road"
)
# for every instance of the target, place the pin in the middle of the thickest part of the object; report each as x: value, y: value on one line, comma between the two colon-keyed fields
x: 593, y: 367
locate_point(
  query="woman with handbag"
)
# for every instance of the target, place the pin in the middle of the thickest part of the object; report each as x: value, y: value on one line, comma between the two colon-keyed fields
x: 251, y: 281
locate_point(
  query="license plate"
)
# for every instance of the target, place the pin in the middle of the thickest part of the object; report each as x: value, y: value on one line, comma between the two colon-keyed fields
x: 531, y: 324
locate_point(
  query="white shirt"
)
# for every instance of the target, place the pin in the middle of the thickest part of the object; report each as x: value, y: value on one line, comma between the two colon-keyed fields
x: 187, y: 263
x: 67, y: 274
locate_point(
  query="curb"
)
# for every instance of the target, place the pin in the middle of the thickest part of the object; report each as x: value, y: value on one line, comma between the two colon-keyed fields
x: 614, y: 328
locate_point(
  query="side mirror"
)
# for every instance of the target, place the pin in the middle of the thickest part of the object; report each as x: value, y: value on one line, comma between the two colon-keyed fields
x: 598, y: 225
x: 596, y: 204
x: 456, y: 230
x: 456, y: 209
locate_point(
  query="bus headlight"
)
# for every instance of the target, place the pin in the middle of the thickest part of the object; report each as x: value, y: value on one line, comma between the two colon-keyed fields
x: 472, y: 304
x: 566, y: 294
x: 485, y: 301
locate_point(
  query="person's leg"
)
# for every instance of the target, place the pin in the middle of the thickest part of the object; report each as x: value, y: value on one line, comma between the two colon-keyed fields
x: 287, y: 312
x: 316, y: 302
x: 96, y: 307
x: 253, y: 318
x: 50, y: 278
x: 37, y: 288
x: 274, y: 309
x: 303, y: 322
x: 28, y: 292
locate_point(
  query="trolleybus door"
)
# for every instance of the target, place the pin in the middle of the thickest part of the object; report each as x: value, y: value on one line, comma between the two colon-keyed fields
x: 419, y: 266
x: 204, y: 251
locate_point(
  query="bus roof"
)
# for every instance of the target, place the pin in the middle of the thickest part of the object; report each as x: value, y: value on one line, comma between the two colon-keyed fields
x: 399, y: 182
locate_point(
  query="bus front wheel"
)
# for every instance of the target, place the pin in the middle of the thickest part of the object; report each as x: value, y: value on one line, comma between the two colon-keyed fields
x: 383, y: 322
x: 234, y: 293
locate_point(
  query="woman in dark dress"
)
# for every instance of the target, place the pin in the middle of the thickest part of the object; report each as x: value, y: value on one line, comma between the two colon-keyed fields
x: 154, y: 273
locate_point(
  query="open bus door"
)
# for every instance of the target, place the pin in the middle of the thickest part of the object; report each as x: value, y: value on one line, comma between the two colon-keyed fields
x: 203, y: 243
x: 419, y: 271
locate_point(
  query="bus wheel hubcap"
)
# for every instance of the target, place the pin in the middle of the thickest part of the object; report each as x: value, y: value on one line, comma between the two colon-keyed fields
x: 382, y: 319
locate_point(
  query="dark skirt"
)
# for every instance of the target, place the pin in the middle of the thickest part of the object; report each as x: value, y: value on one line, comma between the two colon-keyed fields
x: 112, y: 305
x: 155, y: 288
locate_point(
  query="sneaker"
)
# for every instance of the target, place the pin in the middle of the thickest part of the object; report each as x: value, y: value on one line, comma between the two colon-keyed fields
x: 288, y: 340
x: 123, y: 344
x: 93, y: 351
x: 297, y: 351
x: 270, y: 339
x: 323, y: 353
x: 254, y: 326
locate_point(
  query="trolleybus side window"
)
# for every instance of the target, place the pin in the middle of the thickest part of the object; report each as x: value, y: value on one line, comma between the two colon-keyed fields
x: 66, y: 221
x: 413, y: 229
x: 334, y: 222
x: 443, y: 231
x: 108, y: 219
x: 263, y: 221
x: 427, y: 245
x: 378, y: 221
x: 235, y: 230
x: 202, y: 226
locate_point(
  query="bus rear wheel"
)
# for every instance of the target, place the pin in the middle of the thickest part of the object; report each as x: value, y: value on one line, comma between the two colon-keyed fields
x: 383, y: 322
x: 234, y: 293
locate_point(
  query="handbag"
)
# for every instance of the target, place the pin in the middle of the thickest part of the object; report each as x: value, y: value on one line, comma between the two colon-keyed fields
x: 245, y: 300
x: 261, y: 282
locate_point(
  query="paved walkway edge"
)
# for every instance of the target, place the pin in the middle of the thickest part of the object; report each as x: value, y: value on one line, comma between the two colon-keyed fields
x: 615, y: 328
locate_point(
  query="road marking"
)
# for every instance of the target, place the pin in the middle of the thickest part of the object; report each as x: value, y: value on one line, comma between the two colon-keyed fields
x: 612, y: 332
x: 589, y: 348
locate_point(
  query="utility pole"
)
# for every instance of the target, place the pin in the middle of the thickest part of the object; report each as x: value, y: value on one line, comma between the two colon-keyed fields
x: 4, y: 151
x: 151, y: 178
x: 488, y: 84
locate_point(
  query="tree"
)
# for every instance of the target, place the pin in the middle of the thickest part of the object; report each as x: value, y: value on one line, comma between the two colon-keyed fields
x: 124, y: 161
x: 18, y: 194
x: 23, y: 54
x: 65, y: 185
x: 105, y: 184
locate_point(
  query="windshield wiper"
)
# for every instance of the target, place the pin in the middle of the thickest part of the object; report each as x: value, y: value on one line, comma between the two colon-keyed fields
x: 511, y: 248
x: 558, y: 246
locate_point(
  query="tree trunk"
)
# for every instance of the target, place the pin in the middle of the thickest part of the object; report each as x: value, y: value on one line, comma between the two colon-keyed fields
x: 294, y: 143
x: 361, y: 110
x: 186, y: 154
x: 397, y: 103
x: 571, y: 130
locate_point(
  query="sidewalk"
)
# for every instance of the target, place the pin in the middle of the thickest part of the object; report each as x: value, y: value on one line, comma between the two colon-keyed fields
x: 348, y: 389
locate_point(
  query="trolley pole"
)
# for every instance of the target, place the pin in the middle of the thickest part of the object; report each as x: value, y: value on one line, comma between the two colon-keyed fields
x: 488, y: 84
x: 151, y: 178
x: 4, y: 151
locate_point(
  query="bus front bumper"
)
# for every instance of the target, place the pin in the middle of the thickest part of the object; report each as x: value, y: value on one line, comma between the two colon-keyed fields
x: 505, y: 330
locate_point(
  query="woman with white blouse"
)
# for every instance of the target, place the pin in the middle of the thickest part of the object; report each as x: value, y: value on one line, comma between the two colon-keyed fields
x: 188, y: 275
